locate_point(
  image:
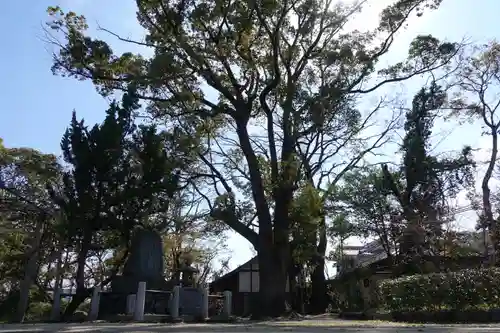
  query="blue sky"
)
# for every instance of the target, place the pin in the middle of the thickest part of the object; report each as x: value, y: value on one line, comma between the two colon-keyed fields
x: 37, y: 105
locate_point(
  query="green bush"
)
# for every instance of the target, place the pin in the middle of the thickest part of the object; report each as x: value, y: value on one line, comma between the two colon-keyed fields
x: 38, y: 311
x: 461, y: 290
x: 85, y: 306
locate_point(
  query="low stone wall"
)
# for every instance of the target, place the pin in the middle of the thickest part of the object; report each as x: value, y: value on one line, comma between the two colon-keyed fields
x: 112, y: 303
x: 195, y: 303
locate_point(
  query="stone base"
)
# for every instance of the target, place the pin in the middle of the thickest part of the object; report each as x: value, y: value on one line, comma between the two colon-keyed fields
x: 115, y: 302
x: 129, y: 284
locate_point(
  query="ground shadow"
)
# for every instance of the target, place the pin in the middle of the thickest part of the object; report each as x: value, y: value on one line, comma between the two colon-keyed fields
x: 304, y: 326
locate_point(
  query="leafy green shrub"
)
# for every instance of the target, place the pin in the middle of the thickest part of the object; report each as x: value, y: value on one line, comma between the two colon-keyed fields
x: 461, y: 290
x: 85, y: 306
x: 38, y: 311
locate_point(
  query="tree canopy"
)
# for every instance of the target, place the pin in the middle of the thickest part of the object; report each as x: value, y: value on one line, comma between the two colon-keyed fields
x: 283, y: 72
x: 257, y: 117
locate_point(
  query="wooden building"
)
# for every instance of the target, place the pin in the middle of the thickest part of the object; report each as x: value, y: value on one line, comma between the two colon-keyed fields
x: 243, y: 282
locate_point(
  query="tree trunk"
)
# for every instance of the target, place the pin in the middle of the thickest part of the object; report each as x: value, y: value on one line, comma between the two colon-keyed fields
x: 58, y: 277
x: 274, y: 260
x: 272, y: 285
x: 81, y: 290
x: 491, y: 224
x: 319, y: 298
x: 294, y: 275
x: 30, y: 271
x: 55, y: 313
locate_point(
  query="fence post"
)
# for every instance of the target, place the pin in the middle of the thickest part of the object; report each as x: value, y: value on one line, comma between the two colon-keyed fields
x: 94, y: 303
x: 130, y: 304
x: 174, y: 304
x: 204, y: 303
x: 228, y: 302
x: 55, y: 313
x: 140, y: 300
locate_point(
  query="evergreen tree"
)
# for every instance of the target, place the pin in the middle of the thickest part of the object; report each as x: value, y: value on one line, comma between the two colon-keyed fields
x: 120, y: 175
x: 426, y: 181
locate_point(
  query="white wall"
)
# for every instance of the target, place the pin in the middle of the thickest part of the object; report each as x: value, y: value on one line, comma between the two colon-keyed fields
x: 248, y: 281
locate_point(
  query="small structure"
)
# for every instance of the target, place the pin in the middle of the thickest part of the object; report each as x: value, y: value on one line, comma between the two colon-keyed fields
x: 188, y: 274
x: 191, y: 297
x: 243, y: 282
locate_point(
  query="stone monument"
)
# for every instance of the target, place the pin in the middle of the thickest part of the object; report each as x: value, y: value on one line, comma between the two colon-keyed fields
x: 145, y: 263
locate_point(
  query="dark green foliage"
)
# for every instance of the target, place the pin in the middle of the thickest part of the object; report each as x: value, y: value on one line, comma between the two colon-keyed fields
x: 27, y: 221
x: 404, y: 207
x: 424, y: 183
x: 12, y: 249
x: 120, y: 174
x: 461, y: 290
x: 367, y: 202
x: 39, y: 311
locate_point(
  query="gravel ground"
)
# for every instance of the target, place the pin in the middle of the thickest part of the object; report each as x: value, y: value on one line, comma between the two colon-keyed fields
x: 312, y: 326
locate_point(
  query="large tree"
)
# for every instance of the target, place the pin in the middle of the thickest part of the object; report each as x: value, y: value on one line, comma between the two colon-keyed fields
x: 27, y: 216
x: 278, y: 70
x: 325, y: 155
x: 477, y: 99
x: 366, y: 202
x: 425, y: 183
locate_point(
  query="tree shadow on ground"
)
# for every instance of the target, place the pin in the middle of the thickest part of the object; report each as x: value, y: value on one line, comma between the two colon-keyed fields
x: 304, y: 326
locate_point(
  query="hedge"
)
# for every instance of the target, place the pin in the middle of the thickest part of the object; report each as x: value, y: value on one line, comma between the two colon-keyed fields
x: 462, y: 290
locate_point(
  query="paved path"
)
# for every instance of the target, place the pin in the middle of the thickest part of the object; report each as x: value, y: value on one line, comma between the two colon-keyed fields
x: 312, y: 326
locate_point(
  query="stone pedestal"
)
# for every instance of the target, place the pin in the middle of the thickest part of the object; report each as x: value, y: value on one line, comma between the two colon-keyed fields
x: 94, y: 304
x: 174, y: 303
x: 204, y: 303
x: 228, y: 304
x: 140, y: 302
x: 131, y: 304
x: 55, y: 313
x: 145, y: 264
x: 129, y: 284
